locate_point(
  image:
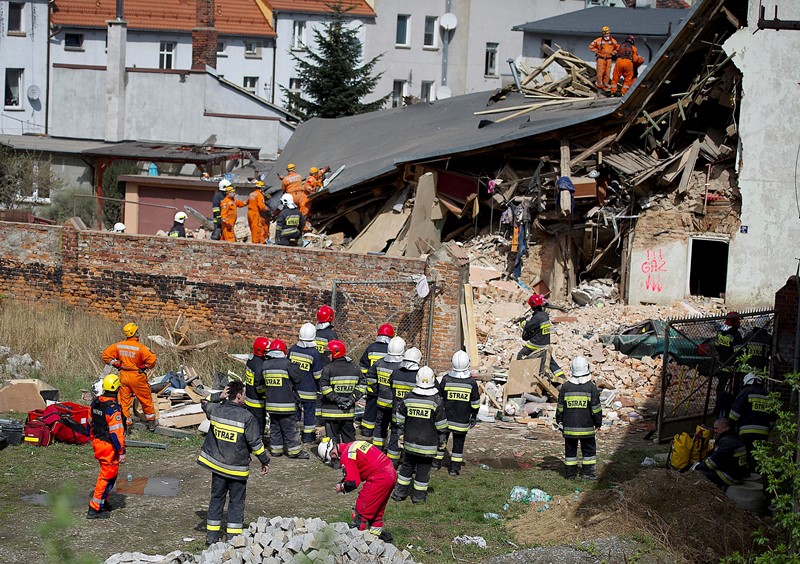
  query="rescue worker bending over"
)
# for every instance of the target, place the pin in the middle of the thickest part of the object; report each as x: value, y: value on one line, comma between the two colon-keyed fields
x: 132, y: 358
x: 579, y: 413
x: 402, y: 381
x: 750, y: 413
x: 421, y: 416
x: 255, y: 388
x: 727, y: 464
x: 177, y: 229
x: 325, y: 331
x: 281, y: 378
x: 374, y: 352
x: 228, y: 209
x: 536, y: 333
x: 233, y: 436
x: 289, y: 224
x: 108, y: 444
x: 605, y: 49
x: 310, y: 362
x: 341, y: 386
x: 459, y: 392
x: 381, y: 373
x: 363, y: 463
x: 258, y: 214
x: 627, y: 65
x: 216, y: 208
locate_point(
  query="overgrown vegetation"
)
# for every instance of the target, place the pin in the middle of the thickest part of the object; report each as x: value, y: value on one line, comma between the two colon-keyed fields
x: 64, y: 204
x: 112, y: 211
x: 25, y: 175
x: 54, y: 532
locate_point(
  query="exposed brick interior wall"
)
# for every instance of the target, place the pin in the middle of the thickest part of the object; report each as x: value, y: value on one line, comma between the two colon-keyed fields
x: 204, y: 36
x: 786, y: 316
x: 232, y: 288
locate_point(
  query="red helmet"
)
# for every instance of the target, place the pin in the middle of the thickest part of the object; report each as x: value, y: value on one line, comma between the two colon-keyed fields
x: 733, y: 319
x: 536, y: 300
x: 337, y: 348
x: 325, y: 314
x: 278, y: 345
x: 260, y: 346
x: 386, y: 330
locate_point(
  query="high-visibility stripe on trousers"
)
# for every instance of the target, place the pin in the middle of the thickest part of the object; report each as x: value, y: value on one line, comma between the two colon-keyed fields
x: 134, y: 384
x: 109, y: 470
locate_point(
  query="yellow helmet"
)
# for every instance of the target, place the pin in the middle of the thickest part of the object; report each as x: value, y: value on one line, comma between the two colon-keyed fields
x: 313, y: 170
x: 111, y: 383
x: 606, y: 29
x: 290, y: 166
x: 260, y: 184
x: 130, y: 329
x: 229, y: 189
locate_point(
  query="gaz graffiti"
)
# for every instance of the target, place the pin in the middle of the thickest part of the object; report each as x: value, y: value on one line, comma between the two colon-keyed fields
x: 653, y: 266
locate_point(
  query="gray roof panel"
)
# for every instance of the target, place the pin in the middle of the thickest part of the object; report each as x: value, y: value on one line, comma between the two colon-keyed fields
x: 639, y: 22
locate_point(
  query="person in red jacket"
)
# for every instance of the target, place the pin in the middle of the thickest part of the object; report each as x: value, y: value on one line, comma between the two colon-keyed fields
x: 362, y: 462
x: 108, y: 443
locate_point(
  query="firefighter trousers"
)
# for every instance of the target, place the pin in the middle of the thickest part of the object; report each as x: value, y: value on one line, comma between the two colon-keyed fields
x: 236, y: 491
x: 307, y: 414
x: 393, y: 448
x: 372, y: 500
x: 622, y: 69
x: 260, y: 414
x: 340, y: 430
x: 108, y: 458
x: 588, y: 453
x: 134, y: 384
x: 417, y: 468
x: 457, y: 454
x: 370, y: 414
x: 383, y: 419
x: 284, y: 432
x: 603, y: 73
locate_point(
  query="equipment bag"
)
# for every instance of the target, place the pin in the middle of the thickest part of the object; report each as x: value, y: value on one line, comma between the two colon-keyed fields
x: 37, y: 433
x: 687, y: 449
x: 68, y: 422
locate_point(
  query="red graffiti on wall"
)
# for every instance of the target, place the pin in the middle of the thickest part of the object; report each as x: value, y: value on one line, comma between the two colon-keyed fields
x: 653, y: 266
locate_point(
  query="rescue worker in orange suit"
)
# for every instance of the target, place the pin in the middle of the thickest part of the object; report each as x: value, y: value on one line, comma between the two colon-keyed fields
x: 292, y: 184
x: 216, y: 210
x: 605, y: 48
x: 364, y: 463
x: 628, y: 61
x: 132, y: 358
x: 313, y: 182
x: 258, y: 214
x: 108, y: 443
x: 228, y: 209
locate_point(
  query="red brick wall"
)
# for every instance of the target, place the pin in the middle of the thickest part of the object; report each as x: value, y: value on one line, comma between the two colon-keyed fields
x: 204, y: 36
x: 232, y: 288
x: 786, y: 315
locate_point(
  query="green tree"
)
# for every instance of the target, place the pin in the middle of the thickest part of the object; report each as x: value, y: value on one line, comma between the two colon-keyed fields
x: 331, y: 79
x: 23, y: 175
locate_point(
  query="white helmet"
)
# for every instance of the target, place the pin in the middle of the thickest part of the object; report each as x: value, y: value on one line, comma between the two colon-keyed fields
x: 287, y: 200
x: 750, y: 378
x: 460, y: 361
x: 308, y: 332
x: 180, y: 217
x: 397, y: 347
x: 580, y: 367
x: 325, y: 449
x: 223, y: 184
x: 413, y: 355
x: 119, y: 227
x: 425, y: 378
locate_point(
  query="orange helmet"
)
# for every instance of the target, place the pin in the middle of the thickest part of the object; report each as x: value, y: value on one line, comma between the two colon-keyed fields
x: 325, y: 314
x: 536, y: 300
x: 278, y: 345
x: 260, y: 346
x: 337, y: 348
x: 386, y: 330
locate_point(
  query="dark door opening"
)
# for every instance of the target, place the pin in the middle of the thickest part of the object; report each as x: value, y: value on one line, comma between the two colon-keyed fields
x: 709, y: 269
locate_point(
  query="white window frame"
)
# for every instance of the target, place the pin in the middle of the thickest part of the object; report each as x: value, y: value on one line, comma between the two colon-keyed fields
x: 434, y: 44
x: 295, y: 87
x: 78, y: 47
x: 430, y: 86
x: 397, y: 97
x: 253, y: 89
x: 252, y: 49
x: 299, y: 35
x: 221, y: 49
x: 20, y: 88
x: 407, y: 19
x: 166, y: 54
x: 20, y: 31
x: 490, y: 60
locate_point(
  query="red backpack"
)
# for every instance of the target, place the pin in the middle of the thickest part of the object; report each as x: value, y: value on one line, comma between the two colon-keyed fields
x: 67, y: 422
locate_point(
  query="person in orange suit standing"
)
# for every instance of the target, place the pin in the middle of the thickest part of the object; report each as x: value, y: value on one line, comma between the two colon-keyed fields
x: 258, y: 214
x: 605, y: 48
x: 313, y: 183
x: 108, y: 443
x: 628, y: 60
x: 229, y: 213
x: 132, y: 358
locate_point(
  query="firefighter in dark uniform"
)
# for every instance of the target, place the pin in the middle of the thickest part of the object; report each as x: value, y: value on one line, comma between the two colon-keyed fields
x: 401, y: 382
x: 373, y: 353
x: 579, y: 413
x: 459, y: 392
x: 751, y: 415
x: 325, y: 331
x: 727, y: 464
x: 421, y: 416
x: 233, y: 436
x: 281, y: 378
x: 289, y: 224
x: 758, y: 348
x: 536, y: 333
x: 254, y: 382
x: 178, y: 229
x: 381, y: 372
x: 216, y: 209
x: 305, y: 355
x: 726, y: 347
x: 341, y: 386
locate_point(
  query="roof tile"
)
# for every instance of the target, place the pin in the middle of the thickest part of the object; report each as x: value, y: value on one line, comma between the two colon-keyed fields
x: 358, y: 7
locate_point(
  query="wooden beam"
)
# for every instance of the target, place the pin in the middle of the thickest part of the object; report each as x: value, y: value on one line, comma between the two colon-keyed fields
x: 531, y: 108
x: 472, y: 351
x: 689, y: 168
x: 538, y: 70
x: 592, y: 150
x: 565, y: 168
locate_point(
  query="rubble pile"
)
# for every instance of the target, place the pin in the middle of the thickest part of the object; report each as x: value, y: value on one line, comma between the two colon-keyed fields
x: 285, y: 539
x: 18, y: 366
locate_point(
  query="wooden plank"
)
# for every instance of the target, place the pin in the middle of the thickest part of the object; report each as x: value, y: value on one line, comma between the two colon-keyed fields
x: 547, y: 386
x: 465, y: 327
x: 592, y: 150
x: 538, y: 70
x: 182, y: 421
x: 421, y: 226
x: 385, y: 226
x: 565, y: 168
x: 689, y: 168
x: 501, y: 110
x: 474, y: 358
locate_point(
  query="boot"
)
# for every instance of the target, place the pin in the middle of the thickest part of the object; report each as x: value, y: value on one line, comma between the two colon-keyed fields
x: 455, y: 469
x: 419, y: 497
x: 400, y: 493
x: 107, y: 506
x: 589, y: 474
x: 211, y: 539
x: 95, y: 514
x: 151, y: 425
x: 436, y: 464
x: 302, y: 455
x: 385, y: 536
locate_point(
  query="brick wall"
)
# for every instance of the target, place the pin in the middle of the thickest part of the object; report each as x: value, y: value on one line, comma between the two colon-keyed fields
x: 204, y: 36
x: 226, y: 288
x: 786, y: 315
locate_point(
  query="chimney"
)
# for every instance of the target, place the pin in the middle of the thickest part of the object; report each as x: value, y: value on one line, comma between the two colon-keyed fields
x: 115, y: 76
x: 204, y: 37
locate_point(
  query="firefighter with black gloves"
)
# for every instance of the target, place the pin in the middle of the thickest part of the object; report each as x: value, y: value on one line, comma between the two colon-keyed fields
x: 536, y: 334
x: 579, y: 413
x: 310, y: 362
x: 254, y: 382
x: 751, y: 414
x: 325, y: 331
x: 727, y: 464
x: 233, y: 436
x: 421, y: 416
x: 381, y: 372
x: 281, y: 378
x: 726, y: 349
x: 290, y: 223
x: 341, y: 386
x: 459, y: 392
x: 758, y: 348
x: 373, y: 353
x: 216, y: 208
x: 108, y: 444
x: 401, y: 382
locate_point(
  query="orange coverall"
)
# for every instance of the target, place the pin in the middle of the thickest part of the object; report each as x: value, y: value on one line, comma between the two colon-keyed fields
x: 313, y: 183
x: 107, y: 452
x: 228, y: 209
x: 627, y: 61
x: 135, y: 358
x: 604, y: 49
x: 293, y: 184
x: 257, y: 213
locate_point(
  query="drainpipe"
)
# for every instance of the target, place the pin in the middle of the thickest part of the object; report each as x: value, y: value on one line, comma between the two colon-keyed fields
x: 47, y: 71
x: 447, y: 6
x: 274, y: 57
x: 515, y: 74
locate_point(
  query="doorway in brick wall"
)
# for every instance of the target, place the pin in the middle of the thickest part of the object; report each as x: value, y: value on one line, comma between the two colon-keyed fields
x: 708, y: 267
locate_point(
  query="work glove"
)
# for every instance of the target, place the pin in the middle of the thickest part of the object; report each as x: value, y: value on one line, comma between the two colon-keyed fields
x: 473, y: 420
x: 348, y: 404
x: 116, y: 364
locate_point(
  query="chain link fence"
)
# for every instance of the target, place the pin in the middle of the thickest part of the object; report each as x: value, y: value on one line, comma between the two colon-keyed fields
x: 363, y: 306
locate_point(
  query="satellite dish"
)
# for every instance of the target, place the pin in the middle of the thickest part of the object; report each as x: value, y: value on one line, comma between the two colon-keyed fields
x: 443, y: 93
x: 34, y: 92
x: 448, y: 21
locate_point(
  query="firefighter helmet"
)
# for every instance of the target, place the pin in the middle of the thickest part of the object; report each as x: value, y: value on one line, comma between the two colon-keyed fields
x: 386, y: 330
x: 130, y: 329
x: 425, y: 378
x: 223, y: 184
x: 290, y: 166
x: 630, y: 39
x: 313, y: 170
x: 605, y: 30
x: 287, y: 200
x: 278, y: 345
x: 580, y: 367
x: 325, y: 314
x: 536, y: 300
x: 413, y: 355
x: 111, y: 383
x: 119, y: 227
x: 180, y: 217
x: 397, y: 346
x: 326, y: 448
x: 260, y: 346
x: 460, y: 361
x: 337, y: 349
x: 751, y: 378
x: 308, y: 332
x: 229, y: 189
x: 733, y: 319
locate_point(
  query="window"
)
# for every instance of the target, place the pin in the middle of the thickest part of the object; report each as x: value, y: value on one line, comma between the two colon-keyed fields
x: 166, y: 55
x: 546, y: 43
x: 298, y: 35
x: 15, y: 24
x: 252, y: 49
x: 221, y: 49
x: 429, y: 39
x: 401, y: 37
x: 426, y: 91
x: 490, y: 66
x: 250, y: 84
x: 295, y: 87
x: 13, y: 89
x: 73, y: 41
x: 398, y: 91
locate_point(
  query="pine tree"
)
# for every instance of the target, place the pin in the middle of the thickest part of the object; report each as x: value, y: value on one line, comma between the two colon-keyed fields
x: 332, y: 80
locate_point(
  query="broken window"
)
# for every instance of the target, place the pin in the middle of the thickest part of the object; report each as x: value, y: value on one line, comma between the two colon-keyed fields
x: 401, y: 35
x: 708, y: 270
x: 490, y: 67
x: 13, y: 88
x: 166, y: 55
x: 15, y: 19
